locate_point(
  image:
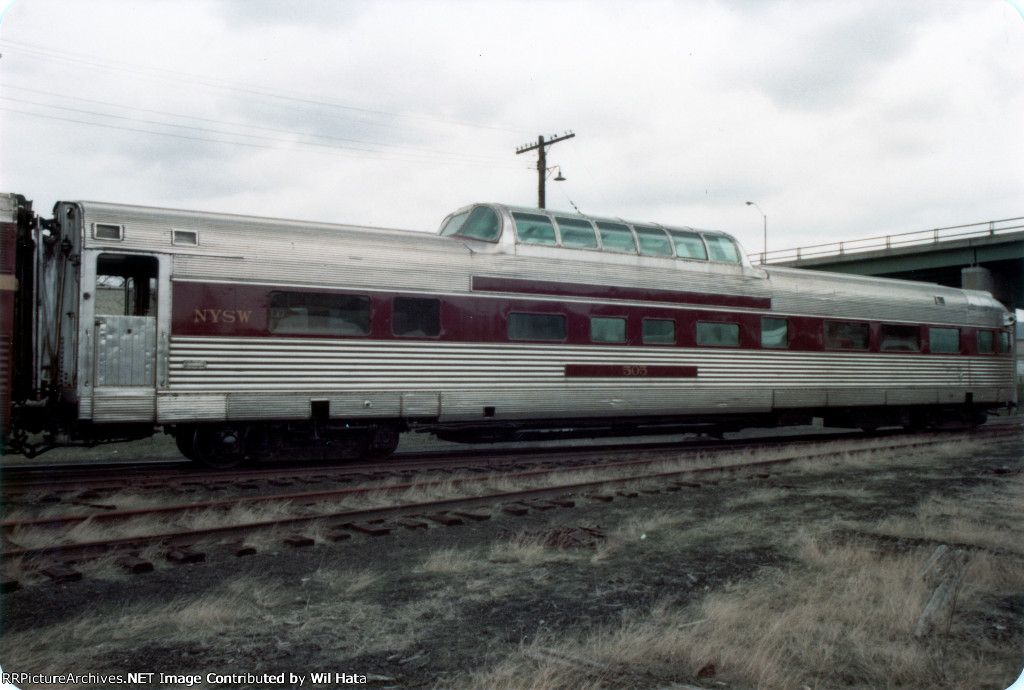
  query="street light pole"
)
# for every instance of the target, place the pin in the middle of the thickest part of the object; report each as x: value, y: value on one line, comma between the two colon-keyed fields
x: 764, y: 254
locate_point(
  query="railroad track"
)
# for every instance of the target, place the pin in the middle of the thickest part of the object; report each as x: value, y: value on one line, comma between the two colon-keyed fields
x: 114, y: 476
x: 561, y: 486
x: 56, y: 479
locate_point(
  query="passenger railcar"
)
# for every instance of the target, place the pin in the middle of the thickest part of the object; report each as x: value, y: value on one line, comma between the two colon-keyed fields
x: 250, y: 337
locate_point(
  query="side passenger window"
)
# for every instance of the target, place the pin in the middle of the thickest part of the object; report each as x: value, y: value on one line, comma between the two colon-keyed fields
x: 944, y: 340
x: 899, y: 338
x: 986, y: 343
x: 774, y: 332
x: 1003, y: 343
x: 319, y: 314
x: 536, y: 327
x: 718, y: 334
x: 659, y: 332
x: 413, y: 316
x: 607, y: 330
x: 841, y: 335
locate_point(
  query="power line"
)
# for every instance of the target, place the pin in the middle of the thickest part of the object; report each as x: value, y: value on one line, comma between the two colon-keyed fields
x: 405, y: 150
x: 231, y: 86
x: 335, y: 149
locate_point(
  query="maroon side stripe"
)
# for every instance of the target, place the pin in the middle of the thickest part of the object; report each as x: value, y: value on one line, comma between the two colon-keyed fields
x: 629, y: 371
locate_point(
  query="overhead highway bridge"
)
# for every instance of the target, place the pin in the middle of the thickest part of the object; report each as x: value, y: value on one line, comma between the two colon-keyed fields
x: 982, y: 256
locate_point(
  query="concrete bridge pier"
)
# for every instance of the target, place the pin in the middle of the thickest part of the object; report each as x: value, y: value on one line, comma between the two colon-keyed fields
x: 1002, y: 287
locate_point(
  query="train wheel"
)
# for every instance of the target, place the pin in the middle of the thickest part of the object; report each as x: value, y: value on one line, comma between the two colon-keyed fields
x: 220, y: 447
x: 184, y: 438
x: 381, y: 441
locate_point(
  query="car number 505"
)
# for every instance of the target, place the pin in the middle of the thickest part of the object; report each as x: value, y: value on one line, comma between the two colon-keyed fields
x: 634, y: 370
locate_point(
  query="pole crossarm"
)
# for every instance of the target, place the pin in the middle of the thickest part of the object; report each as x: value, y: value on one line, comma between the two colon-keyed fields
x: 544, y: 142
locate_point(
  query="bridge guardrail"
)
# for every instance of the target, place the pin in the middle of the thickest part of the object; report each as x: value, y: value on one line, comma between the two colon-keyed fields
x: 867, y: 244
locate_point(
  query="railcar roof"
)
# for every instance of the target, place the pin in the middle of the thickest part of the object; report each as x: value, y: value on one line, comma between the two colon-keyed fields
x: 222, y: 220
x: 933, y: 301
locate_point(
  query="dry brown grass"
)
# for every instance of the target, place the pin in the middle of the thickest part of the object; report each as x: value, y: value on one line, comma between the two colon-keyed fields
x: 241, y: 603
x: 451, y: 560
x: 980, y: 518
x: 843, y: 619
x: 841, y: 615
x: 526, y: 550
x: 344, y: 581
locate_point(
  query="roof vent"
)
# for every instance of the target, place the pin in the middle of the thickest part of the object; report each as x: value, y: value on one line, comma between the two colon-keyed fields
x: 185, y: 238
x: 107, y: 231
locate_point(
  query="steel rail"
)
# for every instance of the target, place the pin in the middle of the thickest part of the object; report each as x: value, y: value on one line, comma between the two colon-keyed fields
x: 411, y: 461
x: 60, y: 480
x: 308, y: 497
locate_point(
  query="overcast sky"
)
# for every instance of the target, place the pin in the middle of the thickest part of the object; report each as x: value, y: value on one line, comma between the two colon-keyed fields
x: 840, y: 119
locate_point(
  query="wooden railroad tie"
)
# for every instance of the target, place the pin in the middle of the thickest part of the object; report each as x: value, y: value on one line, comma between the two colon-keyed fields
x: 475, y: 515
x: 185, y: 555
x: 374, y: 530
x: 134, y: 564
x: 61, y: 573
x: 298, y: 540
x: 446, y: 519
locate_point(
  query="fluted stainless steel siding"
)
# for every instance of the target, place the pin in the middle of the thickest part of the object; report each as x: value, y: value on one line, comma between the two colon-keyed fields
x: 191, y: 407
x: 267, y: 377
x: 230, y: 364
x: 121, y: 404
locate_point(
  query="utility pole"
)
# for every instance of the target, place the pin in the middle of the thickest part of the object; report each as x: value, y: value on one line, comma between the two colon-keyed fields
x: 542, y: 160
